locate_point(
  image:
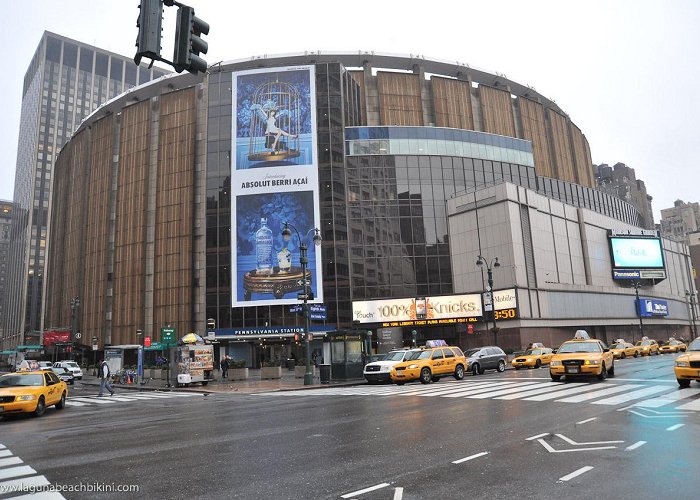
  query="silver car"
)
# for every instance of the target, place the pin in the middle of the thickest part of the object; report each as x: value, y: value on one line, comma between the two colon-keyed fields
x: 486, y: 358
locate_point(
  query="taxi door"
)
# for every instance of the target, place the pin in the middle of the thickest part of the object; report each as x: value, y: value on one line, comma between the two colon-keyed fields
x: 546, y: 356
x: 437, y: 361
x: 52, y: 389
x: 450, y: 360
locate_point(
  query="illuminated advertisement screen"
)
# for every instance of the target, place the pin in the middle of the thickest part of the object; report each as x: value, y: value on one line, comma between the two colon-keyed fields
x: 637, y: 253
x: 401, y: 312
x: 274, y: 179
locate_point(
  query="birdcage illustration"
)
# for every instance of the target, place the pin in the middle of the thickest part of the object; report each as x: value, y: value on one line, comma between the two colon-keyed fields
x: 274, y: 122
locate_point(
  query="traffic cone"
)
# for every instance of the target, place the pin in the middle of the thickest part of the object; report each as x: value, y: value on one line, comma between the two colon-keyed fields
x: 128, y: 379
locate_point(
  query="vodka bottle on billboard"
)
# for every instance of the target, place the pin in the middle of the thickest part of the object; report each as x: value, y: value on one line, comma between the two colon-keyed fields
x: 263, y: 248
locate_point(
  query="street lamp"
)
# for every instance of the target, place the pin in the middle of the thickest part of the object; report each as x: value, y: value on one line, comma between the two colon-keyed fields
x: 480, y: 261
x: 139, y: 363
x: 637, y: 285
x: 74, y: 305
x: 304, y: 260
x: 691, y: 299
x: 414, y: 336
x: 369, y: 346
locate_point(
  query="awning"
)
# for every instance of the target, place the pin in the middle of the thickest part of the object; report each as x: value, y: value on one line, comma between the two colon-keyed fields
x: 7, y: 352
x: 37, y: 347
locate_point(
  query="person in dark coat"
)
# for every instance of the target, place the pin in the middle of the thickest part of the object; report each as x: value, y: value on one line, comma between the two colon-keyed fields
x: 224, y: 367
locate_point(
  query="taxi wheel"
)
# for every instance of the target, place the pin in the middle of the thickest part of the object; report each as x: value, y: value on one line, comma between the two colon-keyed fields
x: 475, y: 369
x: 611, y: 371
x: 623, y: 355
x: 40, y: 407
x: 555, y: 378
x: 603, y: 373
x: 425, y: 376
x: 538, y: 364
x: 459, y: 372
x: 62, y: 403
x: 501, y: 366
x: 683, y: 383
x: 636, y: 354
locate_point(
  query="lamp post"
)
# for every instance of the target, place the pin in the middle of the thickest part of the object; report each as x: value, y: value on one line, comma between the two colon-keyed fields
x: 691, y: 299
x: 481, y: 261
x: 304, y: 260
x: 369, y: 346
x: 139, y: 362
x: 414, y: 337
x: 637, y: 285
x: 74, y: 305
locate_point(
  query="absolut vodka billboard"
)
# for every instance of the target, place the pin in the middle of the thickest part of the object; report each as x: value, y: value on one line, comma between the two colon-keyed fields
x: 274, y: 179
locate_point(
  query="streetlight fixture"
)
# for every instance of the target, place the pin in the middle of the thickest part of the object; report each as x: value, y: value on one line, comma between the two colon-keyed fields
x: 481, y: 261
x: 637, y: 285
x: 139, y: 365
x: 691, y: 299
x: 369, y: 346
x: 304, y: 260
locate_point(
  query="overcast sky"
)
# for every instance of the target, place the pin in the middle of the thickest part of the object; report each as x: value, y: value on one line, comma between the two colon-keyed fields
x: 626, y: 72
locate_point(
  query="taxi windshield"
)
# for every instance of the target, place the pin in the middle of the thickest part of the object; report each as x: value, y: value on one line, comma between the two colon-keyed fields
x: 423, y: 355
x: 644, y: 342
x: 694, y: 345
x: 22, y: 380
x: 395, y: 356
x: 617, y: 346
x: 571, y: 347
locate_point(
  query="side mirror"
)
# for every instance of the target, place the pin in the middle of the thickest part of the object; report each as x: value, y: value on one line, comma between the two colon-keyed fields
x: 606, y: 350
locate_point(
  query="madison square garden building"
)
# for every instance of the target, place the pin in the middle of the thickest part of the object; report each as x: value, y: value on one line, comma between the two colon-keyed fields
x: 169, y: 204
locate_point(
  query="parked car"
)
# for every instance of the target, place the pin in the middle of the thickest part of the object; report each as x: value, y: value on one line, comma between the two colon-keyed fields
x: 31, y: 392
x: 379, y: 370
x: 486, y: 358
x: 72, y: 366
x: 64, y: 374
x: 429, y: 364
x: 45, y: 365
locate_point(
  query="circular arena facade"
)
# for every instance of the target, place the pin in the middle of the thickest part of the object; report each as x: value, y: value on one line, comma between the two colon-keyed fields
x: 169, y: 203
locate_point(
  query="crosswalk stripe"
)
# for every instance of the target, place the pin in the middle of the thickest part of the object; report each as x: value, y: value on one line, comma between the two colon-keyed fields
x: 5, y: 453
x: 629, y: 396
x: 90, y: 400
x: 564, y: 392
x: 597, y: 392
x: 22, y: 470
x: 555, y: 386
x: 70, y: 402
x: 485, y: 395
x: 465, y: 392
x: 10, y: 461
x: 668, y: 398
x: 15, y: 484
x: 693, y: 405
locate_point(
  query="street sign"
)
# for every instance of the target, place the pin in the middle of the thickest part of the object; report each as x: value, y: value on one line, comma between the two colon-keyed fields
x: 305, y: 296
x: 296, y: 309
x: 77, y: 335
x: 94, y: 347
x: 470, y: 328
x: 167, y: 336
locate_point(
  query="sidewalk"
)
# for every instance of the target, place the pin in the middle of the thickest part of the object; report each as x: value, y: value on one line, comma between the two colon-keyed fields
x: 252, y: 385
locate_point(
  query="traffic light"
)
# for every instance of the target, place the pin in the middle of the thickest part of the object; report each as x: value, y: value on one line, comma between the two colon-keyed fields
x: 188, y: 42
x: 149, y: 23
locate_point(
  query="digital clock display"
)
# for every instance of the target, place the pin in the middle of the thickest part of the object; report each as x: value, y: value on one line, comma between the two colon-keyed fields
x: 510, y: 313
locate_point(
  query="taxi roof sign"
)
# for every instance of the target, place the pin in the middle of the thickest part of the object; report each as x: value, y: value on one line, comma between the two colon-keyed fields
x: 582, y: 335
x: 435, y: 343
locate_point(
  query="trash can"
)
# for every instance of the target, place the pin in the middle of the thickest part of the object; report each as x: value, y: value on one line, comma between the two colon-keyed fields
x: 325, y: 373
x: 290, y: 364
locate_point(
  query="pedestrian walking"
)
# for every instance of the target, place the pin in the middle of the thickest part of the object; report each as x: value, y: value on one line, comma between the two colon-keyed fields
x: 104, y: 379
x: 224, y: 367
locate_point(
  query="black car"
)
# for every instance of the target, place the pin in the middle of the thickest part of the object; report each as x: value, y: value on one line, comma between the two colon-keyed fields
x: 64, y: 374
x: 486, y: 358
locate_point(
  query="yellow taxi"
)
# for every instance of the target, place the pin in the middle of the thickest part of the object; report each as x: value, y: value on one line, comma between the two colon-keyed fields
x: 672, y: 345
x: 622, y: 349
x: 429, y: 364
x: 582, y: 356
x: 687, y: 366
x: 31, y: 392
x: 533, y: 358
x: 647, y: 346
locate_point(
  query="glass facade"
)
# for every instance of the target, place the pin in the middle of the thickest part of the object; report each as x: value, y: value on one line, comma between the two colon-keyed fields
x: 436, y: 141
x: 65, y: 82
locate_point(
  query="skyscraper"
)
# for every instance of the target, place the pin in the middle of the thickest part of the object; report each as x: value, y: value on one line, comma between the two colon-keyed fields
x: 66, y: 80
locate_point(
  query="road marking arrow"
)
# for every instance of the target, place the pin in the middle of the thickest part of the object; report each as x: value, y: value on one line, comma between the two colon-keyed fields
x: 571, y: 441
x: 635, y: 445
x: 552, y: 450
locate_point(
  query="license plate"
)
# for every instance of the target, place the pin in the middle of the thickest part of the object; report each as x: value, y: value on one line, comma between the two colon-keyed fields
x: 572, y: 369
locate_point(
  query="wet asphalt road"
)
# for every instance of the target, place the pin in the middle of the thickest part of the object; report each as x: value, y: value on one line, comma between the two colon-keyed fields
x: 328, y: 446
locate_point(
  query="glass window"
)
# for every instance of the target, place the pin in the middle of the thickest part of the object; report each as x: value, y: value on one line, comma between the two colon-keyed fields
x: 101, y: 64
x: 117, y: 69
x: 86, y: 59
x: 53, y: 50
x: 70, y: 55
